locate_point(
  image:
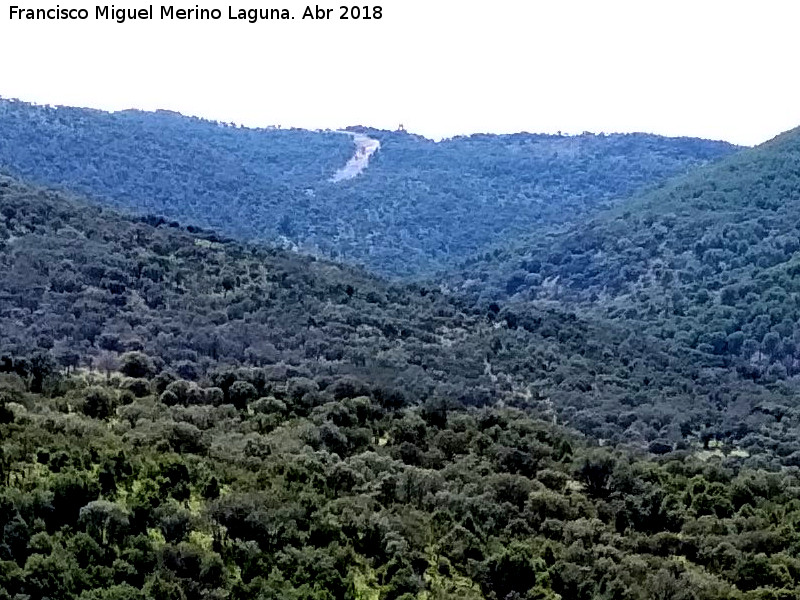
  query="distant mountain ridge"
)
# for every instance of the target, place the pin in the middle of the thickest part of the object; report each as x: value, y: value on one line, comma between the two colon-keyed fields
x: 418, y: 207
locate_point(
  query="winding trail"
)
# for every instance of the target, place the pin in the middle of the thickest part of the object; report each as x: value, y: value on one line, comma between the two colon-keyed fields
x: 365, y: 148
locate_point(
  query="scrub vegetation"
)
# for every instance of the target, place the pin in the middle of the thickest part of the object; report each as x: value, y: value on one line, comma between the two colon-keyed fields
x: 604, y: 409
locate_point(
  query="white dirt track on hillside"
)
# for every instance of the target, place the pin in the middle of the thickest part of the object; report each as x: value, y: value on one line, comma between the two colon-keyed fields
x: 365, y: 148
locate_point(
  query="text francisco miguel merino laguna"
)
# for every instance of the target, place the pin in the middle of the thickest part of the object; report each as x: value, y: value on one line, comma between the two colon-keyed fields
x: 169, y: 12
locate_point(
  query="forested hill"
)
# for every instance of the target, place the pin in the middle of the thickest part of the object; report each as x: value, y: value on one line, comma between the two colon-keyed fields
x: 709, y: 263
x: 183, y: 416
x: 418, y: 207
x: 83, y: 287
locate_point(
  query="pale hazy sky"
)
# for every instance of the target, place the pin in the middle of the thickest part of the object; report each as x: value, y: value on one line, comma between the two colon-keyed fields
x: 716, y: 69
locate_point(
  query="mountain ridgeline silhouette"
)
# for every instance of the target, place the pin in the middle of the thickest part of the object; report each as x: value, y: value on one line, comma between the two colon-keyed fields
x: 419, y: 207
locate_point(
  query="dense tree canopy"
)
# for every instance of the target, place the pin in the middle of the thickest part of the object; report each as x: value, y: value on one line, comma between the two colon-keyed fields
x: 182, y: 493
x: 708, y: 263
x: 419, y: 206
x: 608, y: 411
x: 85, y: 288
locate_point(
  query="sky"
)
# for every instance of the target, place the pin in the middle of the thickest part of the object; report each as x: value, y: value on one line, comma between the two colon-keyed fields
x: 706, y: 68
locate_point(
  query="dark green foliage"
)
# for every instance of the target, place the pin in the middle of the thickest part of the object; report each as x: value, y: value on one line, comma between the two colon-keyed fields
x: 329, y: 333
x: 136, y: 364
x: 512, y: 571
x: 241, y: 393
x: 706, y: 262
x: 704, y: 267
x: 98, y: 403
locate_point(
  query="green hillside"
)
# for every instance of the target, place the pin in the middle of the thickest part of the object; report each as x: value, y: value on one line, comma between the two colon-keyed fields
x: 708, y: 263
x: 82, y: 286
x: 187, y: 417
x: 418, y: 207
x: 607, y: 410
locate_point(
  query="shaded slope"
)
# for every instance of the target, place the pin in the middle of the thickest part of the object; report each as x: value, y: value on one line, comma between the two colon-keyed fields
x: 81, y: 286
x: 420, y: 206
x: 201, y: 172
x: 709, y: 262
x: 450, y: 200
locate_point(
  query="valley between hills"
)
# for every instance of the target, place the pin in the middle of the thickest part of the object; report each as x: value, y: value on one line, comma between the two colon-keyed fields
x: 491, y: 367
